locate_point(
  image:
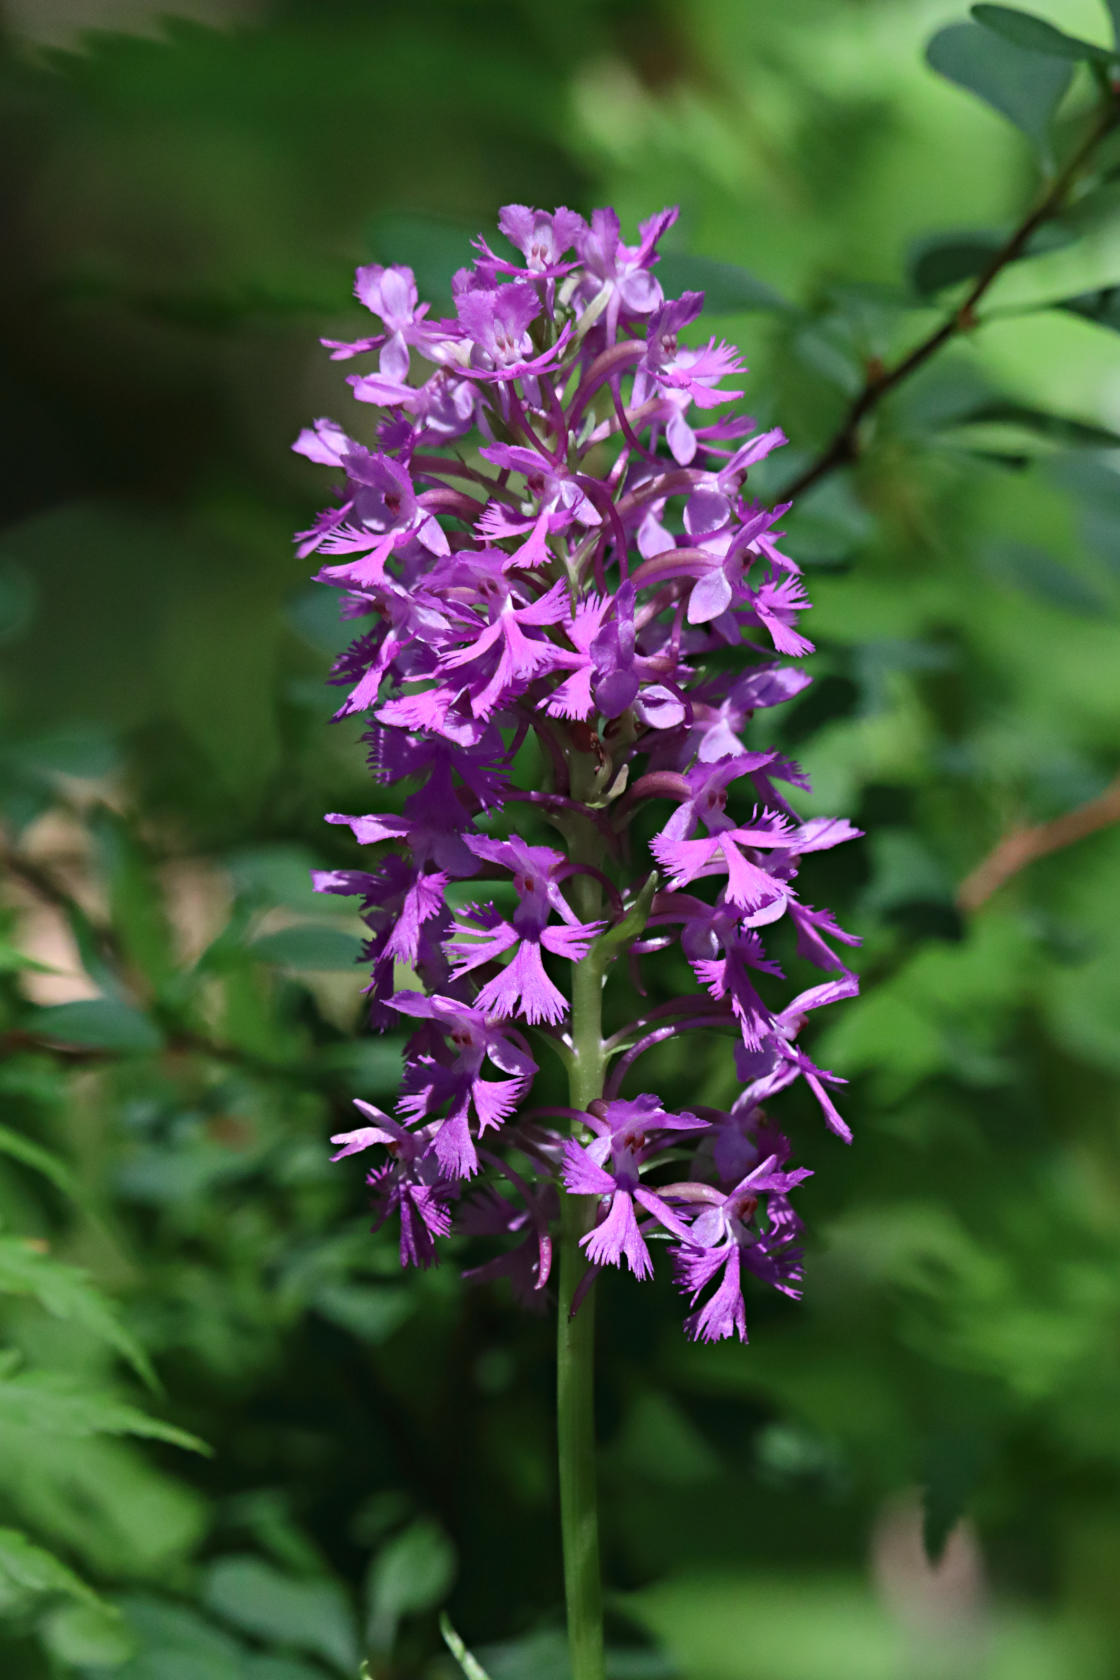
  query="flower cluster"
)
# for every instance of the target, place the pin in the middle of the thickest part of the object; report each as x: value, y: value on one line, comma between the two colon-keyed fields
x: 568, y: 607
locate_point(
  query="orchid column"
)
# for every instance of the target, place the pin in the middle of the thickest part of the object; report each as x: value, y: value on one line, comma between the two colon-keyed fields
x: 549, y: 554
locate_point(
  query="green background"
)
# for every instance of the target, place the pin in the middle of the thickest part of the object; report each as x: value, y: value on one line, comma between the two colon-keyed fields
x: 186, y: 200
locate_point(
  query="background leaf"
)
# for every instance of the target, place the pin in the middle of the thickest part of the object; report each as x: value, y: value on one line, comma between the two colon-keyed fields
x: 1024, y: 29
x: 727, y: 288
x: 308, y: 947
x: 307, y: 1615
x: 45, y: 1403
x: 32, y: 1570
x: 99, y: 1024
x: 1091, y: 262
x: 41, y: 1160
x: 68, y: 1294
x: 413, y: 1571
x: 1024, y: 86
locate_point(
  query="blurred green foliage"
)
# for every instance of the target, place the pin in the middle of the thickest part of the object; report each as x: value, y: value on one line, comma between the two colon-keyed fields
x: 180, y: 1017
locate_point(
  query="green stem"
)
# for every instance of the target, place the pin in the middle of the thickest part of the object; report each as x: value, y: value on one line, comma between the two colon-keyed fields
x: 575, y: 1338
x: 575, y: 1431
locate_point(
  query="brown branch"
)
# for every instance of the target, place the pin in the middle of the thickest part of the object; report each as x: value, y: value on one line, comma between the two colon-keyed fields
x: 1023, y: 845
x: 845, y: 444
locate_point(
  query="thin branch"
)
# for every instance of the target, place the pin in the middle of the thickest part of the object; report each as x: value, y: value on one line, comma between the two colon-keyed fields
x: 845, y: 445
x: 1023, y: 845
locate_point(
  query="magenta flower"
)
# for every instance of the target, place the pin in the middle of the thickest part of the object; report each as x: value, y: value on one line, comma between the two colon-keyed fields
x: 621, y: 271
x: 502, y: 655
x: 723, y: 1240
x: 522, y: 987
x: 557, y: 502
x: 496, y: 324
x: 570, y: 610
x: 407, y: 918
x: 544, y: 238
x: 528, y: 1217
x: 411, y: 1183
x: 679, y: 376
x: 380, y: 514
x: 627, y: 1134
x: 452, y: 1076
x: 779, y: 1061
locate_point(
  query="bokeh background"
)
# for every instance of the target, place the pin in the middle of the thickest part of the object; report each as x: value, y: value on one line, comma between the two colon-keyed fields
x: 187, y: 189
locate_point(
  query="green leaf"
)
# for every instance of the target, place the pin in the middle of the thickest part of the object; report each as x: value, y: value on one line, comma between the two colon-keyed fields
x: 431, y: 246
x: 176, y: 1643
x: 1024, y: 29
x: 371, y: 1311
x: 943, y: 259
x: 99, y: 1024
x: 91, y: 950
x: 280, y: 1668
x: 32, y: 1570
x: 1089, y: 263
x: 276, y: 874
x: 86, y: 751
x: 1095, y: 488
x: 67, y: 1293
x: 727, y: 288
x: 952, y: 1469
x: 368, y: 1065
x: 413, y: 1571
x: 14, y: 961
x: 544, y: 1656
x: 317, y: 947
x: 136, y: 904
x: 1114, y: 13
x: 1037, y: 573
x: 632, y: 923
x: 904, y: 871
x: 825, y: 348
x: 17, y: 601
x: 41, y: 1160
x: 54, y: 1403
x: 470, y: 1666
x: 938, y: 260
x: 1022, y: 86
x: 88, y: 1636
x: 312, y: 1615
x: 1003, y: 428
x: 313, y: 614
x: 105, y: 1498
x: 1103, y: 307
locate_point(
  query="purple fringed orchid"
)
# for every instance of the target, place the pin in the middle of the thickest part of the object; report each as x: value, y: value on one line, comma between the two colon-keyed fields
x: 464, y: 1039
x: 723, y: 1239
x: 568, y: 610
x: 411, y: 1182
x: 627, y: 1134
x: 523, y: 986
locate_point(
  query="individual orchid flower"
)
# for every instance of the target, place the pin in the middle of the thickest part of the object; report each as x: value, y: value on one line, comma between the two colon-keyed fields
x: 411, y: 1183
x: 483, y: 934
x: 722, y: 1241
x: 627, y: 1134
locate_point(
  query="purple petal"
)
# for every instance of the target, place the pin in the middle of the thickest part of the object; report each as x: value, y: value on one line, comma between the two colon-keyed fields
x: 617, y: 1238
